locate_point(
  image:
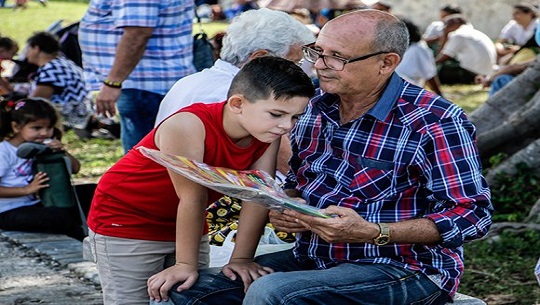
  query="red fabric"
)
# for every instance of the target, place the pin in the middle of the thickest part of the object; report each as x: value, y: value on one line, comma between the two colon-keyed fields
x: 136, y: 199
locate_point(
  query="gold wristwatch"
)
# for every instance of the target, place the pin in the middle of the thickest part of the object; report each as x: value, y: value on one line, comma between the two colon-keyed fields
x: 384, y: 235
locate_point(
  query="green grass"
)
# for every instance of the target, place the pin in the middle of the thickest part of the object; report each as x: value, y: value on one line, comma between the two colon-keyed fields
x: 21, y: 24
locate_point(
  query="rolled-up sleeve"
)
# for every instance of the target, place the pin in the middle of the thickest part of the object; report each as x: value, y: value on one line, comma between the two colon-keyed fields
x: 463, y: 209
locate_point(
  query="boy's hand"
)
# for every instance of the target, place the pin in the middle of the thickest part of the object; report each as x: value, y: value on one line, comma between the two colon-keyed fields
x: 285, y: 223
x: 246, y: 269
x: 38, y: 183
x: 160, y: 283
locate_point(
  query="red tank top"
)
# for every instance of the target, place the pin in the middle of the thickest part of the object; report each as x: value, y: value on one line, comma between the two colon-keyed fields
x: 136, y: 199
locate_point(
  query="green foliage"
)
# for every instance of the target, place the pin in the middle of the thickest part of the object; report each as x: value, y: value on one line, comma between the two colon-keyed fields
x: 504, y: 266
x: 513, y: 196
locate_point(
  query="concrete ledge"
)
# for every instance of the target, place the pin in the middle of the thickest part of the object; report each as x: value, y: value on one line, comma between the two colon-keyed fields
x: 59, y: 249
x: 462, y: 299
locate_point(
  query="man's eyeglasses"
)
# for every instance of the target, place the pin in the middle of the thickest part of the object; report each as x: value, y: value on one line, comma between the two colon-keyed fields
x: 332, y: 62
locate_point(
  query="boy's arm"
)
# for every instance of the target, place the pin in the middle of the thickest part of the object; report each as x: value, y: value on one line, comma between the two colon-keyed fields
x: 182, y: 134
x: 253, y: 218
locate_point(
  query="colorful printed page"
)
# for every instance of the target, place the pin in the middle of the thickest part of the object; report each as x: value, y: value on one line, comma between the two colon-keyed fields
x: 250, y: 185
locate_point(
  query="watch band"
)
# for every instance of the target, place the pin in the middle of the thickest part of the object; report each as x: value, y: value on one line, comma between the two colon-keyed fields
x: 112, y: 84
x: 384, y: 235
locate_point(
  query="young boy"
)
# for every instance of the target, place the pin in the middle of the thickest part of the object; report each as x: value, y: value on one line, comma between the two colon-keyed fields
x: 141, y: 212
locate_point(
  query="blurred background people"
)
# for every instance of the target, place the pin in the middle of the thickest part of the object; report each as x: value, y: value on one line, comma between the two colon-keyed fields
x: 418, y: 63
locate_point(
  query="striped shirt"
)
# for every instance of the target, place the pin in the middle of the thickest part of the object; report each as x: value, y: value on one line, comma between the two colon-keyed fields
x: 168, y: 55
x: 412, y: 155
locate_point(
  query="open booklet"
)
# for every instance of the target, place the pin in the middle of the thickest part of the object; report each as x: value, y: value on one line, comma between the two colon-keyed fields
x: 249, y: 185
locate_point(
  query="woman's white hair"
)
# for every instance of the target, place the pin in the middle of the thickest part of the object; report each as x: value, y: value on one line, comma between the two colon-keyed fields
x: 262, y: 29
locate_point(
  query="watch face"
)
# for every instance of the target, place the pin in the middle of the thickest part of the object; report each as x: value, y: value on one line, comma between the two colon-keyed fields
x: 382, y: 240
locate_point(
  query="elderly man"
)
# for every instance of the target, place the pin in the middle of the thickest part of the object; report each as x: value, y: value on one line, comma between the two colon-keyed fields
x: 397, y: 168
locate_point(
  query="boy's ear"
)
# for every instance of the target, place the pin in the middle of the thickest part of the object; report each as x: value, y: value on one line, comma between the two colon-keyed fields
x: 236, y: 103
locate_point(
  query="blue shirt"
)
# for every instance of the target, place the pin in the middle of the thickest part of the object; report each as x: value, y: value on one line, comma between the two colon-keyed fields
x: 412, y: 155
x: 168, y: 55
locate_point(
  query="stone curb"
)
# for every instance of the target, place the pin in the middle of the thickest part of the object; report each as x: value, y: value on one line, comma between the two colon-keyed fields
x: 67, y: 252
x: 59, y: 250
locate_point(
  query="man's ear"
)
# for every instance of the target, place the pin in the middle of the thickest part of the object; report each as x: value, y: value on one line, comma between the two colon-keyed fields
x: 236, y: 103
x: 389, y: 63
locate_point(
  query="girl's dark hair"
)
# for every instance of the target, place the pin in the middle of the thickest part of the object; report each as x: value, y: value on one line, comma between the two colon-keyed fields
x: 7, y: 43
x: 269, y: 76
x: 25, y: 111
x: 414, y: 31
x: 46, y: 42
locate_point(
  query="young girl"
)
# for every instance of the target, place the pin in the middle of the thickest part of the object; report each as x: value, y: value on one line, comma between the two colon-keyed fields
x: 34, y: 120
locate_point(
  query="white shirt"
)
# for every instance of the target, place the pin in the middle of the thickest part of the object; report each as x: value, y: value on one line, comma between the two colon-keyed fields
x: 207, y: 86
x: 434, y: 30
x: 516, y: 34
x: 473, y: 49
x: 14, y: 172
x: 418, y: 64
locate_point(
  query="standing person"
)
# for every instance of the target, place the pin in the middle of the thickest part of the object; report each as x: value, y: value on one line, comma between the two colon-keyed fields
x: 396, y: 165
x: 473, y: 50
x: 250, y: 35
x: 30, y: 120
x: 57, y: 79
x: 142, y: 213
x: 133, y: 52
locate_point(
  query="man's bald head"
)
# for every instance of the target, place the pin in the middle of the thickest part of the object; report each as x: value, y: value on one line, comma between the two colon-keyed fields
x: 384, y: 31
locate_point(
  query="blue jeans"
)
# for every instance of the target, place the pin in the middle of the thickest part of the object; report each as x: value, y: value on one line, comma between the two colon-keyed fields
x: 499, y: 82
x: 138, y: 110
x: 297, y: 283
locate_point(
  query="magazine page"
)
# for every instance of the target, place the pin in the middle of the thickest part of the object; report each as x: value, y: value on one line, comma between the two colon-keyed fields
x: 249, y: 185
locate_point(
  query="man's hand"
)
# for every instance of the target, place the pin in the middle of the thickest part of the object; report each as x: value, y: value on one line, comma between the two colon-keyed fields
x: 106, y: 100
x: 283, y: 222
x: 160, y: 283
x: 345, y: 227
x: 246, y: 269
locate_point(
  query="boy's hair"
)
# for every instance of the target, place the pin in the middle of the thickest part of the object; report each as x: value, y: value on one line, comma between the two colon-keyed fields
x: 7, y: 43
x: 269, y: 76
x: 25, y: 111
x: 47, y: 42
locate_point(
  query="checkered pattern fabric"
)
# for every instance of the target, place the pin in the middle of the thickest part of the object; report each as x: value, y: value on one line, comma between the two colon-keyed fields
x: 412, y: 155
x: 168, y: 55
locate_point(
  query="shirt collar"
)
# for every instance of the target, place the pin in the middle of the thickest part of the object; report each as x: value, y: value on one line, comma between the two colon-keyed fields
x: 226, y: 67
x: 388, y: 99
x: 382, y: 107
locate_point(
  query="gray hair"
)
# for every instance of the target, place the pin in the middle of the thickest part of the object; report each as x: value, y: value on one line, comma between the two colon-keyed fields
x: 262, y: 29
x: 391, y: 37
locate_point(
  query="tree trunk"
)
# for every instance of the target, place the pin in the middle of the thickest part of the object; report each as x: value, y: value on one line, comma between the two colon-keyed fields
x: 508, y: 100
x: 529, y: 155
x: 523, y: 123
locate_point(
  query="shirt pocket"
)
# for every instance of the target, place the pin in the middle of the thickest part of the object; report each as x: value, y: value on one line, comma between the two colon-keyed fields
x: 372, y: 179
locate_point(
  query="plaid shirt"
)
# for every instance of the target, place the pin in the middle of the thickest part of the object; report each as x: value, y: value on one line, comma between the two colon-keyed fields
x: 412, y: 155
x: 168, y: 55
